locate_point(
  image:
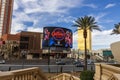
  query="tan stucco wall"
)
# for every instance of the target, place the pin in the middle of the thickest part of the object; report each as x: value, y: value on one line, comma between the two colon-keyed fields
x: 115, y: 48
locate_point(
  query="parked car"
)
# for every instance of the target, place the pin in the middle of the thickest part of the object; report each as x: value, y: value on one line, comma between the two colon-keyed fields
x: 76, y: 62
x: 79, y: 64
x: 90, y: 62
x: 111, y: 62
x: 2, y: 61
x: 60, y: 63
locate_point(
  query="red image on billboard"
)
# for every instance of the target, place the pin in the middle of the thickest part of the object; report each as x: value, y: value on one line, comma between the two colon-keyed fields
x: 57, y: 37
x: 58, y: 34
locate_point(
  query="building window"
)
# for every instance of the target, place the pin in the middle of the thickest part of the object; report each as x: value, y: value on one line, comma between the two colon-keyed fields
x: 23, y: 45
x: 24, y: 39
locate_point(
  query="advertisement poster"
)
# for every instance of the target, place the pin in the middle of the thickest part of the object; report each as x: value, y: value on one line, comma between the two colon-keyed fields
x: 57, y: 37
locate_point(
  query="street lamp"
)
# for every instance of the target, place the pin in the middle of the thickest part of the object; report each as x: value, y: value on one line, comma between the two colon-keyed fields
x: 49, y: 59
x: 78, y: 54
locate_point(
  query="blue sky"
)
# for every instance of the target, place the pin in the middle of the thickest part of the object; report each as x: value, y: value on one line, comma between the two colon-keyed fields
x: 33, y: 15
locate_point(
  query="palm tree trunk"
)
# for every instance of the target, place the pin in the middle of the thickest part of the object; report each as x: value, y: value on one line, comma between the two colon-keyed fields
x: 85, y: 36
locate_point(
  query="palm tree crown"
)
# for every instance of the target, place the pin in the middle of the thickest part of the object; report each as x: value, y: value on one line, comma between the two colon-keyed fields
x: 86, y: 23
x: 116, y: 30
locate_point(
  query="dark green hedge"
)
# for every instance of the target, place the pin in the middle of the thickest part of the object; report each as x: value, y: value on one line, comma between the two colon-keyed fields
x: 87, y: 75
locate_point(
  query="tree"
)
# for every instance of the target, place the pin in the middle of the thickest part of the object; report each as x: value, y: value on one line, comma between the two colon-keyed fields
x: 10, y: 49
x: 116, y: 29
x: 86, y: 23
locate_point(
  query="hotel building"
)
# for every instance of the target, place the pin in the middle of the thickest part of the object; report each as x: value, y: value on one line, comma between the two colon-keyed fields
x: 6, y: 8
x: 29, y: 43
x: 81, y: 40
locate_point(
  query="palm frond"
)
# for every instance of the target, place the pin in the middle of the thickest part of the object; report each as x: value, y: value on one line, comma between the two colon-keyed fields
x: 95, y: 27
x: 116, y: 29
x: 87, y: 22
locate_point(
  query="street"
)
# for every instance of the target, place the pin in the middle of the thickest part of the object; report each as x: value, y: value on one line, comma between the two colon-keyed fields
x: 53, y: 68
x: 42, y: 64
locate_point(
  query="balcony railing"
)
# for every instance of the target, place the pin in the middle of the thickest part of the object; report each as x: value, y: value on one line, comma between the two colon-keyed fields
x: 107, y: 72
x: 64, y: 76
x: 23, y: 74
x: 33, y: 74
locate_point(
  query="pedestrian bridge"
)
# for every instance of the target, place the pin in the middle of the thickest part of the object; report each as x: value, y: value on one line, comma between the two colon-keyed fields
x: 33, y: 73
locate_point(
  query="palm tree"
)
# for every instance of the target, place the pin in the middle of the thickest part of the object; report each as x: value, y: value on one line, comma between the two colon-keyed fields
x: 116, y: 30
x: 86, y: 23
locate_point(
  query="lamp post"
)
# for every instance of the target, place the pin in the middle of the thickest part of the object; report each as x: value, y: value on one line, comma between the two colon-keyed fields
x: 78, y: 54
x: 49, y: 59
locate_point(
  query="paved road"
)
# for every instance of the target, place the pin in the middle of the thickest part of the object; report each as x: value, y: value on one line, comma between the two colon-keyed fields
x: 53, y: 68
x: 43, y: 64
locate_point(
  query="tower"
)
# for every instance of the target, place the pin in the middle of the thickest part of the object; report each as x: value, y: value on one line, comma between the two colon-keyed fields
x: 6, y: 8
x: 81, y: 40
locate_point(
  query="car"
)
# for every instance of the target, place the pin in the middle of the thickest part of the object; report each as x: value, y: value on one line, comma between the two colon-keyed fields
x: 76, y: 62
x: 60, y: 63
x: 90, y: 62
x: 79, y: 64
x: 2, y: 61
x: 111, y: 62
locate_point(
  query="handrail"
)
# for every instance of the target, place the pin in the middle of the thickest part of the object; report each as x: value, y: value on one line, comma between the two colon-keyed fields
x: 106, y: 72
x: 6, y: 76
x: 64, y: 76
x: 115, y: 77
x: 33, y: 73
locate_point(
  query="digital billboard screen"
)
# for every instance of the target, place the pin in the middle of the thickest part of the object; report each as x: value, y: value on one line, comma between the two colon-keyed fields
x: 57, y: 37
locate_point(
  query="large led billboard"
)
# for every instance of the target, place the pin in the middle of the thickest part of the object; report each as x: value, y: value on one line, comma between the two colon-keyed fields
x: 57, y: 37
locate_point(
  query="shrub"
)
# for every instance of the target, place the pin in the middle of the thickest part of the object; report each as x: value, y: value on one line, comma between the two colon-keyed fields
x: 87, y: 75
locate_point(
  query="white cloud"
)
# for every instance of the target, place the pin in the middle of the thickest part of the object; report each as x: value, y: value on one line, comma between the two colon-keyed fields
x: 67, y: 19
x: 110, y: 5
x: 21, y: 16
x: 41, y: 12
x: 26, y: 1
x: 32, y: 29
x: 90, y: 5
x: 59, y: 6
x: 100, y: 40
x: 17, y: 22
x: 46, y: 12
x: 99, y: 16
x: 17, y: 27
x: 15, y: 6
x: 103, y: 39
x: 100, y: 19
x: 75, y: 40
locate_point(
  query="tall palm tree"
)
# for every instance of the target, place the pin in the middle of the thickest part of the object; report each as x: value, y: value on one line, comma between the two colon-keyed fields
x: 86, y: 23
x: 116, y: 30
